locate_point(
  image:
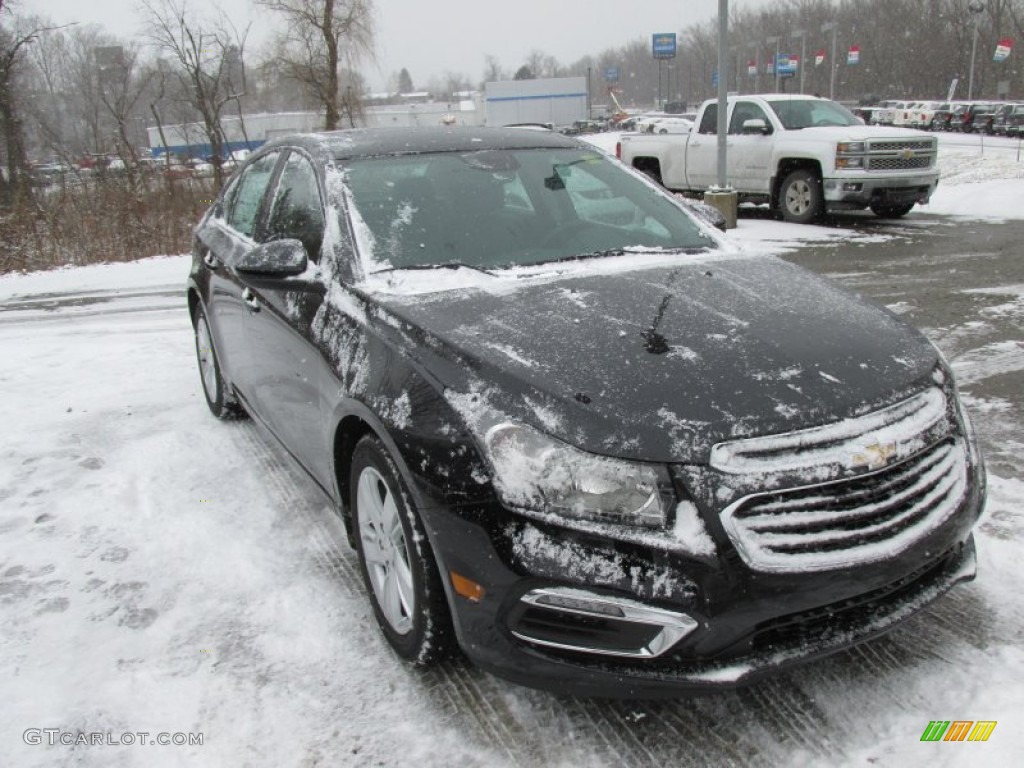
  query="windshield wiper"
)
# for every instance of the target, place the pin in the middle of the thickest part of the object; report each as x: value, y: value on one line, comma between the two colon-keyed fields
x: 626, y: 251
x: 446, y: 265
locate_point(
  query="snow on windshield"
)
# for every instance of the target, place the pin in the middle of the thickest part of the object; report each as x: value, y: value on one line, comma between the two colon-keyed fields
x: 504, y: 208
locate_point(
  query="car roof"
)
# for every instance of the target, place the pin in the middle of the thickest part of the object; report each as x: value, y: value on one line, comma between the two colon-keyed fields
x: 371, y: 142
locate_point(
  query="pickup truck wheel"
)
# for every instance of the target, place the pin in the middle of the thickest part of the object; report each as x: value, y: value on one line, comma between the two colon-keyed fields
x: 891, y: 210
x: 800, y: 199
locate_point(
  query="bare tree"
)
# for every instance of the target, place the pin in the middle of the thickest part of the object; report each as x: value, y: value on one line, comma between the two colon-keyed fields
x: 492, y: 70
x: 14, y: 180
x: 205, y: 54
x: 321, y: 36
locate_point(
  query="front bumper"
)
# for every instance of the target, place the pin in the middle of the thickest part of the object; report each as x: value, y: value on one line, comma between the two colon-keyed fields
x: 745, y: 625
x: 861, y: 190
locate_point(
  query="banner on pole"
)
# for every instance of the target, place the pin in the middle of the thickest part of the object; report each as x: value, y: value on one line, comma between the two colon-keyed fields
x: 819, y: 57
x: 1003, y: 49
x: 853, y: 57
x: 752, y: 68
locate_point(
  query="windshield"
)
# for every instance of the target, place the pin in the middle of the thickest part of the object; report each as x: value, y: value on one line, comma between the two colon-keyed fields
x: 805, y: 113
x: 501, y: 208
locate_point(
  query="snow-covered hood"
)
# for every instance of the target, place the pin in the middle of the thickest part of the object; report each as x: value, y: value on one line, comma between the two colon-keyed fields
x: 836, y: 133
x: 659, y: 364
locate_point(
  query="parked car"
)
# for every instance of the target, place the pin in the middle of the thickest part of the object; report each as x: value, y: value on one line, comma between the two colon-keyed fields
x: 673, y: 125
x: 966, y: 118
x: 922, y: 114
x: 997, y: 124
x: 1015, y: 121
x: 567, y: 426
x: 886, y: 113
x: 942, y: 116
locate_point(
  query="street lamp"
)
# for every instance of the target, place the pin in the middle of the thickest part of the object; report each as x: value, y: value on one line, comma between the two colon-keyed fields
x: 775, y: 62
x: 831, y: 26
x: 976, y: 10
x: 802, y: 34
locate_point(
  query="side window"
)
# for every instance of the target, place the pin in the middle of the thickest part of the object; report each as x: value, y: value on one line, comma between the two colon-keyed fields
x: 245, y: 202
x: 709, y: 122
x: 297, y: 211
x: 743, y: 111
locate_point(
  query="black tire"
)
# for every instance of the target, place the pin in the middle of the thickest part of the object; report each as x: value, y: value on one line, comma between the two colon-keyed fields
x: 800, y: 197
x: 651, y: 173
x: 221, y: 402
x: 891, y: 210
x: 396, y: 559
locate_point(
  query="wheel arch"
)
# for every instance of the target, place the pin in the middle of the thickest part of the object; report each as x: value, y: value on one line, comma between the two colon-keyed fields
x: 192, y: 295
x: 651, y: 166
x: 785, y: 167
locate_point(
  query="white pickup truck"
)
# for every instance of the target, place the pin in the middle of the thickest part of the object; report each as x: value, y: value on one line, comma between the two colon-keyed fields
x: 799, y: 154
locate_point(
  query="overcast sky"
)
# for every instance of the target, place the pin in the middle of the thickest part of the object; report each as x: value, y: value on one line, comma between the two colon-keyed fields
x: 430, y: 37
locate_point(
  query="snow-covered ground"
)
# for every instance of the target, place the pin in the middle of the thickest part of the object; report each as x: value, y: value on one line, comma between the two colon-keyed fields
x: 162, y: 572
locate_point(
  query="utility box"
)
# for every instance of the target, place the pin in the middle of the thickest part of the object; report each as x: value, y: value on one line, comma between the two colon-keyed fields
x: 555, y: 100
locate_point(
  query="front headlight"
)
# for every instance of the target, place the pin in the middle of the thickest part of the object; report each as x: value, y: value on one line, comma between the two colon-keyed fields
x: 850, y: 147
x: 536, y: 472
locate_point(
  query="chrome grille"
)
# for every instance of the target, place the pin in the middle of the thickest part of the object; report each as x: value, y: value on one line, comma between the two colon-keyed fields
x: 898, y: 163
x: 901, y: 154
x: 850, y: 522
x: 894, y: 146
x: 834, y: 450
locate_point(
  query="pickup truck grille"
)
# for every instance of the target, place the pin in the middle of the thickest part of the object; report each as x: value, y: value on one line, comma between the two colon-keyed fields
x: 893, y: 146
x: 898, y: 163
x: 901, y: 154
x: 850, y: 522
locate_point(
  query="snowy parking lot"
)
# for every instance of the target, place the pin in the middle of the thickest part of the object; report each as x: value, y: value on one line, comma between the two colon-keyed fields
x: 166, y: 574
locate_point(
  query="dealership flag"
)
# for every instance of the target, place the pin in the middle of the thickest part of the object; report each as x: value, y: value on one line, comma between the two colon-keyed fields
x: 1003, y: 49
x: 819, y: 58
x: 853, y: 57
x: 752, y: 68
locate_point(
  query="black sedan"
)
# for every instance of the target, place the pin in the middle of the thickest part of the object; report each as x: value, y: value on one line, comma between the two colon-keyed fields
x: 569, y: 429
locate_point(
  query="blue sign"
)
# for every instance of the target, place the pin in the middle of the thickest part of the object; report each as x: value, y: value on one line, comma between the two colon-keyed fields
x: 714, y: 78
x: 611, y: 75
x: 787, y: 64
x: 663, y: 45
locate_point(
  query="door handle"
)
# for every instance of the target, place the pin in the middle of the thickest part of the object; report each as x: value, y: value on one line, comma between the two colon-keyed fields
x: 251, y: 300
x: 210, y: 260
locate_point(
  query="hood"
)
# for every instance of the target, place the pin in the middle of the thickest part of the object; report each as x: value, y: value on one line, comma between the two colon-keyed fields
x: 857, y: 133
x: 659, y: 364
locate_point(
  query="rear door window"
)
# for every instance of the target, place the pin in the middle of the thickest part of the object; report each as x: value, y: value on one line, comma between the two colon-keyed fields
x: 709, y: 122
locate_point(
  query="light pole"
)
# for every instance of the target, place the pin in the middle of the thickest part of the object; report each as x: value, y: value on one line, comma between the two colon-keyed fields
x: 802, y: 34
x: 831, y: 26
x: 976, y: 10
x: 775, y: 61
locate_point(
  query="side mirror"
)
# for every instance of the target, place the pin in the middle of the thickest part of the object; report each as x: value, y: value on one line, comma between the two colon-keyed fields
x: 278, y: 258
x: 756, y: 125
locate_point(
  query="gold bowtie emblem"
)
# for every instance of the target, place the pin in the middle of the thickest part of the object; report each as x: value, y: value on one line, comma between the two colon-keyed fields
x: 874, y: 456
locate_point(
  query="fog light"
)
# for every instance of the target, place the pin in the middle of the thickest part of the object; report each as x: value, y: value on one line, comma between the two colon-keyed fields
x: 467, y: 588
x: 852, y: 186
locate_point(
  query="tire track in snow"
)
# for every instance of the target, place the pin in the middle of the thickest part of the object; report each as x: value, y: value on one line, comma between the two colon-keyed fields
x: 328, y: 548
x: 686, y: 725
x: 792, y: 715
x: 471, y: 695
